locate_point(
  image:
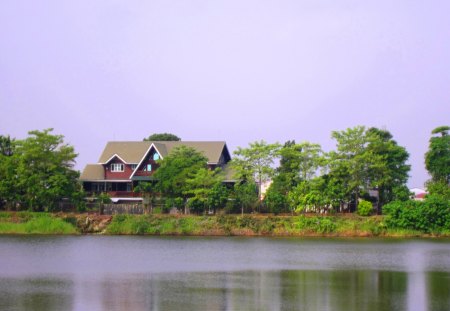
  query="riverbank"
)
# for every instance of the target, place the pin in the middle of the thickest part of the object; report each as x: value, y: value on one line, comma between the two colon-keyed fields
x: 348, y: 225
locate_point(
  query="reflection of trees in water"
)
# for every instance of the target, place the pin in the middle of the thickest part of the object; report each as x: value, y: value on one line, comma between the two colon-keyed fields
x: 438, y: 291
x: 36, y: 294
x: 246, y: 290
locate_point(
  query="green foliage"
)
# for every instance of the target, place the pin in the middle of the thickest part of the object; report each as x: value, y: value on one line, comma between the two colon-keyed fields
x: 103, y: 198
x: 37, y: 172
x: 176, y: 169
x: 275, y: 201
x: 364, y: 208
x: 431, y: 215
x: 255, y: 162
x: 199, y: 186
x: 298, y: 162
x: 392, y: 176
x: 218, y: 196
x: 321, y: 225
x: 437, y: 158
x: 439, y: 188
x: 246, y: 196
x: 35, y: 223
x: 353, y: 163
x: 162, y: 137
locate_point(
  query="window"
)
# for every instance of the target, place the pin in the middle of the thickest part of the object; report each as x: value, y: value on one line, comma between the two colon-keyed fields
x: 148, y: 168
x: 117, y: 167
x: 133, y: 166
x: 155, y: 156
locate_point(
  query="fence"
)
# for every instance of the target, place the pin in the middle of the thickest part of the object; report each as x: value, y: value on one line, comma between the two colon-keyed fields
x: 113, y: 209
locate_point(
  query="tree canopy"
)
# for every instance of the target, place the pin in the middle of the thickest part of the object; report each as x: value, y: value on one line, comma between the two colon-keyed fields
x: 162, y: 137
x: 176, y: 168
x: 38, y: 171
x: 256, y: 162
x: 437, y: 158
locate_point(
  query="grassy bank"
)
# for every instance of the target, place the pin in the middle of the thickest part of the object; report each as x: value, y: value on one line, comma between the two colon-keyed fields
x: 346, y: 226
x: 225, y: 225
x: 34, y: 223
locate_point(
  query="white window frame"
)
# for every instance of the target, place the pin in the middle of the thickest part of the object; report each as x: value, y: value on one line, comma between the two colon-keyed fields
x: 117, y: 167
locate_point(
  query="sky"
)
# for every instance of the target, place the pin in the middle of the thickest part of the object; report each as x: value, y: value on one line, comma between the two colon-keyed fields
x: 232, y: 70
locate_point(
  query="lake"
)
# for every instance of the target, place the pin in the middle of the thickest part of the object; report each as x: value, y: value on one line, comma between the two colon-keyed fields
x: 216, y: 273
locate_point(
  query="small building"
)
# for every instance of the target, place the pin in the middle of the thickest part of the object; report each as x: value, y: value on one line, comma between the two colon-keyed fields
x: 418, y: 194
x: 122, y: 165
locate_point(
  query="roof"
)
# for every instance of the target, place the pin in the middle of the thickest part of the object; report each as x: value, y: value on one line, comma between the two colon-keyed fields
x: 134, y: 151
x: 93, y: 172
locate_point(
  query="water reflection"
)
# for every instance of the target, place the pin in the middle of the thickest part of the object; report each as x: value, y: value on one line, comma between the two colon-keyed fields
x: 246, y: 290
x: 36, y: 294
x: 143, y: 273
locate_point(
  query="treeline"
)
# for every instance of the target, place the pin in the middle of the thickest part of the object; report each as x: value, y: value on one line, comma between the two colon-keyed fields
x: 367, y: 171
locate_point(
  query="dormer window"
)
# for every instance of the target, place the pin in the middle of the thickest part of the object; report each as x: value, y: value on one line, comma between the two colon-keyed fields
x: 117, y: 167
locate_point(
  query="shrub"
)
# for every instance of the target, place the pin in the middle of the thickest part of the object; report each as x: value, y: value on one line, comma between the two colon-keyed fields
x: 431, y: 215
x: 364, y: 208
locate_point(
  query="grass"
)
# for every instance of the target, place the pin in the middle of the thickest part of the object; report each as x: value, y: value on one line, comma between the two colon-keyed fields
x: 348, y: 225
x: 34, y: 223
x: 248, y: 225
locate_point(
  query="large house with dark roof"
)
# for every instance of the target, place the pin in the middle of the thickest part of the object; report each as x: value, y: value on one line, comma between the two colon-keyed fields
x: 122, y: 165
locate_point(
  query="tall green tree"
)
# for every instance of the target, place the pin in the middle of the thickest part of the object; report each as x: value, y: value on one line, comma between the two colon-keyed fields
x: 200, y: 184
x: 437, y: 158
x: 393, y: 176
x: 45, y: 171
x: 176, y: 168
x: 246, y: 195
x: 256, y: 162
x: 8, y: 175
x: 162, y: 137
x: 353, y: 163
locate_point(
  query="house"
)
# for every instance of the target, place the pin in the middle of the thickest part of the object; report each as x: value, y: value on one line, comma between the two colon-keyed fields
x: 122, y: 165
x: 418, y: 194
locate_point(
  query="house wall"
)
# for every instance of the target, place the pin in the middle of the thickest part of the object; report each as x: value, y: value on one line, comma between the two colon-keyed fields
x: 148, y: 160
x: 117, y: 175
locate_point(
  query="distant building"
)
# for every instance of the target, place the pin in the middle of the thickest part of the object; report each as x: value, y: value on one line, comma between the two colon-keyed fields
x: 418, y: 194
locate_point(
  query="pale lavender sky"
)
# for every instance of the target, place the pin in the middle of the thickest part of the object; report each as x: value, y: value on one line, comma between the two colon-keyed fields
x: 228, y: 70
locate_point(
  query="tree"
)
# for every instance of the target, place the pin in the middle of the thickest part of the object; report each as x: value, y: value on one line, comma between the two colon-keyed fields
x: 437, y: 158
x: 45, y: 171
x: 162, y: 137
x: 246, y: 195
x: 393, y: 176
x: 148, y: 191
x: 255, y: 162
x: 6, y: 146
x: 200, y: 184
x: 353, y: 163
x: 176, y: 168
x: 275, y: 201
x: 218, y: 196
x: 298, y: 162
x: 8, y: 167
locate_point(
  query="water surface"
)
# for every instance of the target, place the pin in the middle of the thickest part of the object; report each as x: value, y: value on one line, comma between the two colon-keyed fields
x: 180, y: 273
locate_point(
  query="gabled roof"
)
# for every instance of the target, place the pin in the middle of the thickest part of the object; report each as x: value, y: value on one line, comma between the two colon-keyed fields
x: 93, y: 172
x: 134, y: 151
x: 129, y: 151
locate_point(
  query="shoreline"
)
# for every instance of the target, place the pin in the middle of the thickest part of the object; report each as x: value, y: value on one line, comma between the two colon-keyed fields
x: 311, y: 226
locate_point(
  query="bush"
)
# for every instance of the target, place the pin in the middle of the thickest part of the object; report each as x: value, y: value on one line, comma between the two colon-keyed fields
x: 431, y: 215
x: 365, y: 208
